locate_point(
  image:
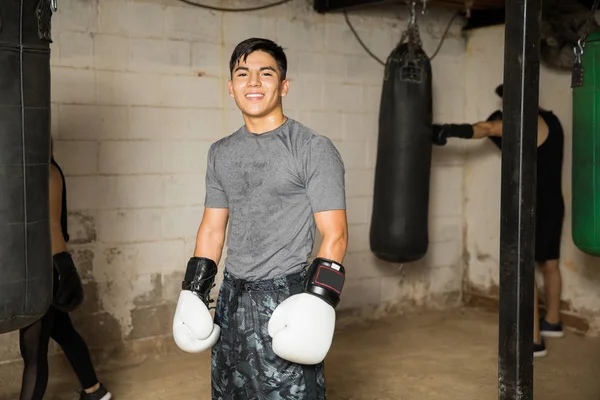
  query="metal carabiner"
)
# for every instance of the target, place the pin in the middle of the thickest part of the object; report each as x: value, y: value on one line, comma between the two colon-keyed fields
x: 578, y: 51
x: 54, y: 5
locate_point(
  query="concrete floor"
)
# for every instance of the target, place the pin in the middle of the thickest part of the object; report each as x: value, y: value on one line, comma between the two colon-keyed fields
x: 430, y: 356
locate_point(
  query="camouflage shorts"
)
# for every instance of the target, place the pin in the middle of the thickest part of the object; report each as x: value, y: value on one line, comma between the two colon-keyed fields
x: 244, y: 366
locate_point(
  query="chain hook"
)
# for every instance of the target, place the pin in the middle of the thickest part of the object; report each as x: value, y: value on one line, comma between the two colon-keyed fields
x: 54, y: 5
x: 578, y: 51
x: 424, y: 10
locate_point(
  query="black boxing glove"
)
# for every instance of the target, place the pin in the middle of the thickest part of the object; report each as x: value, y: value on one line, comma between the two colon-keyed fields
x: 438, y: 135
x: 442, y: 132
x: 68, y: 294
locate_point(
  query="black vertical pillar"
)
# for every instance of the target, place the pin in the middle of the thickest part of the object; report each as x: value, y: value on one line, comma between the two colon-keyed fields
x: 517, y: 220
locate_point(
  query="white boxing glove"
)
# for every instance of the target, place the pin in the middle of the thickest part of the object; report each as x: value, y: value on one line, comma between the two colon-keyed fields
x: 302, y: 326
x: 193, y: 328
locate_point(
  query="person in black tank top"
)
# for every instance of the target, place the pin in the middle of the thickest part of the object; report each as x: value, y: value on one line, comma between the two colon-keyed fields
x: 56, y: 323
x: 63, y: 213
x: 550, y: 206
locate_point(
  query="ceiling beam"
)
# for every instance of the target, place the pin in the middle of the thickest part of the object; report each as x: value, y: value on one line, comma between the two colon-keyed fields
x: 324, y: 6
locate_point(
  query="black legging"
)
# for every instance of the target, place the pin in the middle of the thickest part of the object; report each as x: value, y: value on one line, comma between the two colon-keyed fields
x: 33, y: 342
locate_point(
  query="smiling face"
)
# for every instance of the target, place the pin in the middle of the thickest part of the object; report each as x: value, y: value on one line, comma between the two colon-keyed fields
x: 256, y: 85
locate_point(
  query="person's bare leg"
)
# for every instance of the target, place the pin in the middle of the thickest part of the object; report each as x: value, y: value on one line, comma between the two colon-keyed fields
x: 539, y: 346
x: 537, y: 338
x: 552, y: 288
x: 93, y: 388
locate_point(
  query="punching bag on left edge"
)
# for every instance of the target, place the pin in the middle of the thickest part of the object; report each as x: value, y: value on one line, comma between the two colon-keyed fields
x: 25, y: 250
x: 399, y: 222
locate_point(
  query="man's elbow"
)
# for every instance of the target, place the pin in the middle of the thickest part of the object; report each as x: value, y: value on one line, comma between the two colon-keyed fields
x: 337, y: 239
x: 213, y: 236
x: 343, y: 237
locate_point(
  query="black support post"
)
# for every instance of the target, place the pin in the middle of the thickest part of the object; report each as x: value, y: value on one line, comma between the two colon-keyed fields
x: 517, y: 220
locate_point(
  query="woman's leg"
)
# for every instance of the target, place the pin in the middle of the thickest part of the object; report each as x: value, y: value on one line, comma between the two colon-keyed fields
x: 536, y: 316
x: 76, y: 350
x: 539, y: 346
x: 33, y: 343
x: 553, y: 288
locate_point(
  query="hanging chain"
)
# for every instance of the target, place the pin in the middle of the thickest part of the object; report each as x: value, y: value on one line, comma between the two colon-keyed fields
x: 468, y: 6
x: 588, y: 25
x: 578, y: 51
x: 577, y: 75
x: 411, y: 34
x: 406, y: 32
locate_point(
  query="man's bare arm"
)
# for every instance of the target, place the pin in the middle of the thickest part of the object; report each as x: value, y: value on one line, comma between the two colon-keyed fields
x: 333, y: 227
x: 211, y: 234
x: 494, y: 128
x: 56, y: 234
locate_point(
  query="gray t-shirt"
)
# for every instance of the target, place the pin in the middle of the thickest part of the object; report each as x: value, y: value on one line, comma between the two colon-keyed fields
x: 272, y: 184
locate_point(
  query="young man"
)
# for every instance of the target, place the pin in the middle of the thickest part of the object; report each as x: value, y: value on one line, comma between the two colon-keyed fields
x: 275, y: 182
x: 549, y: 212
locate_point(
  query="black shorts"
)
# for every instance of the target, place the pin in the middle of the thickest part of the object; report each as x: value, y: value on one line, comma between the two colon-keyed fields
x: 244, y: 366
x: 548, y: 232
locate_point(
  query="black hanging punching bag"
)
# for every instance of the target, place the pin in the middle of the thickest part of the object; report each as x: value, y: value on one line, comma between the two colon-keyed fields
x: 399, y: 222
x: 25, y: 251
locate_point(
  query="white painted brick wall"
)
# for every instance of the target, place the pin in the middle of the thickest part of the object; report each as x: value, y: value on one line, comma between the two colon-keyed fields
x: 111, y: 52
x: 139, y: 93
x: 73, y: 86
x: 91, y: 122
x: 482, y: 196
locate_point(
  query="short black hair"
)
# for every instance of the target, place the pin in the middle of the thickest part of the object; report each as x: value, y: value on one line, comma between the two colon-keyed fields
x: 248, y: 46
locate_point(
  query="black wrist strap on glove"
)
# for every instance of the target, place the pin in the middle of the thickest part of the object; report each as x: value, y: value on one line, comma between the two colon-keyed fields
x: 325, y: 279
x: 68, y: 293
x: 463, y: 131
x: 200, y: 278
